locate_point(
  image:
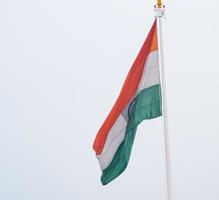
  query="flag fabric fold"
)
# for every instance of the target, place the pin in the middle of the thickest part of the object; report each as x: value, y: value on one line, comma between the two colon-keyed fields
x: 139, y: 99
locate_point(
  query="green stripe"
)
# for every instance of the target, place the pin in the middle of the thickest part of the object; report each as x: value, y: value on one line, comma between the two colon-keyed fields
x: 147, y: 106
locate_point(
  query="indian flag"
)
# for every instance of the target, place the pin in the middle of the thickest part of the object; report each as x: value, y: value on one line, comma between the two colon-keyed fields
x: 139, y: 99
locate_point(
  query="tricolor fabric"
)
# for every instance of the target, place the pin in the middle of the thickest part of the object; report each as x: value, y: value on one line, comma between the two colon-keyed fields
x: 139, y: 99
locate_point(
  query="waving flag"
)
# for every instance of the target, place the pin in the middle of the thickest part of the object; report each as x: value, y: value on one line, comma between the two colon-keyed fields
x: 139, y: 99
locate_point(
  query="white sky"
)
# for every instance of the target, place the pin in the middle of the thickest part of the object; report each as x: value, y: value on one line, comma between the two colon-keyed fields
x: 62, y: 65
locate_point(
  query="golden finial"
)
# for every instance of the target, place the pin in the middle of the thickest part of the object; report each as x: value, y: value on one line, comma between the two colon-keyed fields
x: 159, y: 9
x: 159, y: 3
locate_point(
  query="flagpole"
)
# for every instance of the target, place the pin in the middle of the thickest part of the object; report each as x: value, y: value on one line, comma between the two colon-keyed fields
x: 159, y: 14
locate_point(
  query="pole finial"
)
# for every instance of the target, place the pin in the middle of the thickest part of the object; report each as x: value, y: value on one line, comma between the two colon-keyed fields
x: 159, y: 3
x: 159, y: 9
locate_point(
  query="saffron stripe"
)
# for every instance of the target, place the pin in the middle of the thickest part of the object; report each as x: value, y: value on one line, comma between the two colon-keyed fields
x: 128, y: 90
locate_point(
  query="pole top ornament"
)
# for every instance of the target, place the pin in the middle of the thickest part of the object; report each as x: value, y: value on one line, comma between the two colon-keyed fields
x: 159, y: 3
x: 159, y: 9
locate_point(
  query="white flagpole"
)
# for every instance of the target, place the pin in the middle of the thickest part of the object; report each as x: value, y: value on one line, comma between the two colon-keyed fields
x: 159, y: 14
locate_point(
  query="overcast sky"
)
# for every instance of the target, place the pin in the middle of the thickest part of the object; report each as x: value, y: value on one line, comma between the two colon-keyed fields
x: 62, y: 65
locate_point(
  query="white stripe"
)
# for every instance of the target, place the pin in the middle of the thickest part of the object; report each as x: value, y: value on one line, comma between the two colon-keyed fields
x: 151, y: 74
x: 114, y: 139
x: 116, y: 135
